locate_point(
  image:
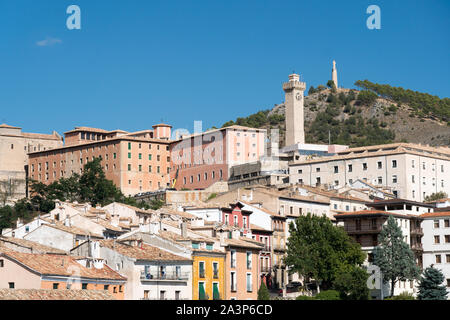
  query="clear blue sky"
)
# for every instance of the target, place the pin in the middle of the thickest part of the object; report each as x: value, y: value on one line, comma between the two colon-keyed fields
x: 137, y: 63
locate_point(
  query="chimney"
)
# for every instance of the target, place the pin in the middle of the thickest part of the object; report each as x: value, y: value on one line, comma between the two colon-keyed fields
x: 183, y: 229
x: 67, y: 221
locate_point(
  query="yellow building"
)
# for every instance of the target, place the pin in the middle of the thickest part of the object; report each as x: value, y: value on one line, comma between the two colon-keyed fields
x: 208, y: 274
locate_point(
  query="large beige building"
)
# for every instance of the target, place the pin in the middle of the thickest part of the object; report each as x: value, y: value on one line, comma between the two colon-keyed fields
x: 135, y: 162
x: 413, y: 171
x: 14, y: 148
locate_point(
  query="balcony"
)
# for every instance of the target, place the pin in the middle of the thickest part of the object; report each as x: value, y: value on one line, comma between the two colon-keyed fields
x: 157, y: 276
x: 265, y: 270
x: 416, y: 231
x: 279, y: 247
x: 370, y: 230
x: 417, y: 246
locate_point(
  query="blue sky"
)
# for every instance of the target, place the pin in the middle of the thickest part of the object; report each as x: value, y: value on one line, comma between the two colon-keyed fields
x: 136, y: 63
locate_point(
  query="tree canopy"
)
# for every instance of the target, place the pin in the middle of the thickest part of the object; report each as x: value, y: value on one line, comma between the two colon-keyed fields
x: 431, y: 285
x: 317, y: 249
x: 393, y: 255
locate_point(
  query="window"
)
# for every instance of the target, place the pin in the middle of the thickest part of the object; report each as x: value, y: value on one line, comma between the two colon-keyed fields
x: 447, y: 238
x: 336, y: 169
x: 129, y: 155
x: 350, y: 168
x: 447, y: 256
x: 106, y: 287
x: 436, y: 239
x: 394, y: 163
x: 149, y: 168
x: 84, y: 286
x: 140, y: 167
x: 215, y: 270
x: 55, y: 286
x: 300, y: 171
x: 380, y: 165
x: 436, y: 224
x: 394, y: 179
x: 146, y: 292
x: 233, y: 281
x: 11, y: 285
x: 249, y: 282
x: 129, y: 145
x: 201, y: 269
x: 2, y: 263
x: 423, y: 165
x: 447, y: 223
x: 317, y: 169
x: 438, y: 258
x: 245, y: 222
x: 162, y: 293
x: 249, y: 260
x: 129, y: 167
x: 364, y: 166
x: 177, y: 295
x: 380, y: 180
x: 233, y: 258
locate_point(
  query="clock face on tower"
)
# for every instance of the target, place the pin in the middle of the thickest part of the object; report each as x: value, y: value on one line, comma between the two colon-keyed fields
x: 298, y: 96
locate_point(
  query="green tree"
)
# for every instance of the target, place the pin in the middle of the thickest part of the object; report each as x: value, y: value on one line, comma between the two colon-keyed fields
x: 351, y: 283
x: 431, y: 285
x: 328, y: 295
x: 94, y: 187
x: 317, y: 249
x: 436, y: 196
x: 393, y: 256
x: 263, y: 292
x: 311, y: 90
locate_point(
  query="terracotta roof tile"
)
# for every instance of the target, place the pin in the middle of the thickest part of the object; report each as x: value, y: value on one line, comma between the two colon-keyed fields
x: 48, y: 264
x: 435, y: 214
x: 144, y: 252
x: 47, y: 294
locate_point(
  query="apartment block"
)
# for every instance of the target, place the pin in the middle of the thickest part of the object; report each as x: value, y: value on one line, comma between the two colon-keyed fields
x: 199, y: 160
x: 135, y: 162
x: 14, y: 148
x: 412, y: 171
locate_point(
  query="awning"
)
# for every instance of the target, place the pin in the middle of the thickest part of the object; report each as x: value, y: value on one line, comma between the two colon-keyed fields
x: 216, y: 294
x: 201, y: 291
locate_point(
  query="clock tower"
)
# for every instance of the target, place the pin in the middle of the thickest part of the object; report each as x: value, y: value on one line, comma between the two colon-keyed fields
x: 295, y: 132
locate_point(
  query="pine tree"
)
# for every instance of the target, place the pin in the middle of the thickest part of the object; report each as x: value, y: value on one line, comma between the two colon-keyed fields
x: 393, y: 256
x: 263, y: 292
x: 430, y: 286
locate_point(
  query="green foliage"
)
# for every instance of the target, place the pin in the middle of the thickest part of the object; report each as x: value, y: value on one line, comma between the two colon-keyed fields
x: 328, y: 295
x: 351, y: 283
x: 431, y: 285
x: 305, y: 298
x: 263, y: 292
x: 317, y: 249
x: 402, y: 296
x: 311, y: 90
x: 436, y: 196
x: 393, y: 256
x: 366, y: 97
x: 156, y: 204
x: 426, y: 103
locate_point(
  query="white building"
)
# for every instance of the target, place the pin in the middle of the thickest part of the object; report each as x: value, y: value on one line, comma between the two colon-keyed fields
x: 413, y: 171
x: 436, y: 243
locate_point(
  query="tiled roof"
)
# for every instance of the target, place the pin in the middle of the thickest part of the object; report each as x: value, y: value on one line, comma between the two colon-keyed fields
x: 182, y: 214
x: 435, y: 214
x: 4, y: 125
x: 242, y: 243
x: 143, y: 252
x: 60, y: 265
x: 369, y: 212
x: 47, y: 294
x: 331, y: 195
x: 72, y: 229
x: 34, y: 246
x: 258, y: 228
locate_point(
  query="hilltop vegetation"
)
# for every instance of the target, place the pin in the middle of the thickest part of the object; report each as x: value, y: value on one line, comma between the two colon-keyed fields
x: 378, y: 114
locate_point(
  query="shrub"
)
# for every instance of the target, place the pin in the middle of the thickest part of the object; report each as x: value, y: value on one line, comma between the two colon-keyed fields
x: 304, y: 298
x: 402, y: 296
x: 328, y: 295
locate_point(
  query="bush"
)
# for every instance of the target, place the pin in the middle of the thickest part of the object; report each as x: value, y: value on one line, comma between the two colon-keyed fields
x: 328, y: 295
x: 402, y: 296
x: 305, y: 298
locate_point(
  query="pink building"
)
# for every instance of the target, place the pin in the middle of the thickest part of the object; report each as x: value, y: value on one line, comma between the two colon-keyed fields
x: 199, y: 160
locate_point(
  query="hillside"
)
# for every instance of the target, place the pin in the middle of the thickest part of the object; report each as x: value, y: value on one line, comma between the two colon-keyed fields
x: 366, y: 117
